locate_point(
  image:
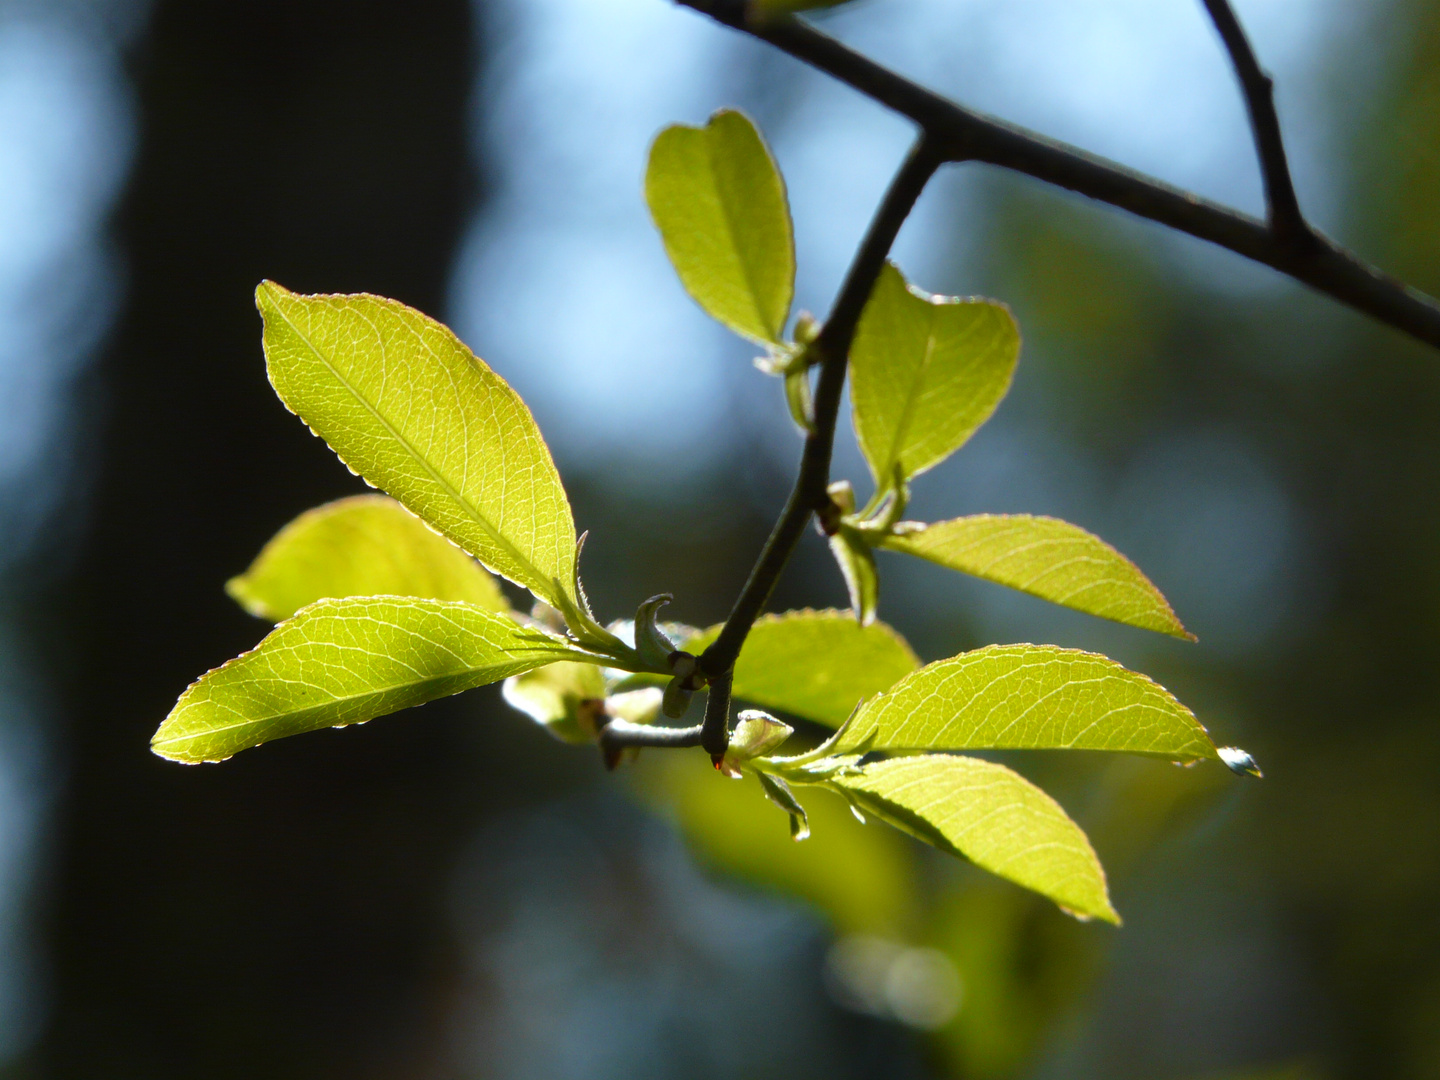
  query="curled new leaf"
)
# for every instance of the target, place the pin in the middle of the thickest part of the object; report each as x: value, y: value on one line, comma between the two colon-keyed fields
x: 719, y: 203
x: 1044, y: 557
x: 815, y: 664
x: 342, y: 662
x: 405, y: 404
x: 1027, y: 697
x: 926, y: 371
x: 366, y: 545
x: 988, y: 814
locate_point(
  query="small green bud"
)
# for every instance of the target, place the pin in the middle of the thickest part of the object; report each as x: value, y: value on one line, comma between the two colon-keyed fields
x: 756, y: 734
x: 676, y: 698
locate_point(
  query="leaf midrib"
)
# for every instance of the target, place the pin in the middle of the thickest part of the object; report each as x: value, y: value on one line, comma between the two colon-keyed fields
x: 541, y: 657
x: 731, y: 234
x: 495, y: 535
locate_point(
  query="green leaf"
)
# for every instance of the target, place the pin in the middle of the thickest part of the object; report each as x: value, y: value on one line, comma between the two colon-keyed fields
x: 1027, y: 697
x: 926, y: 371
x: 407, y: 406
x: 1044, y: 557
x: 566, y: 698
x: 367, y: 545
x: 990, y: 815
x: 857, y: 567
x: 815, y: 664
x: 719, y: 203
x: 779, y: 793
x: 344, y: 662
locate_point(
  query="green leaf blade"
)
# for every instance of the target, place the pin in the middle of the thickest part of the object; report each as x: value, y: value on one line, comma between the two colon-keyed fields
x: 342, y: 662
x: 366, y: 545
x: 719, y: 203
x: 991, y: 816
x: 409, y: 407
x: 1027, y: 697
x: 926, y: 372
x: 1048, y: 558
x: 815, y: 664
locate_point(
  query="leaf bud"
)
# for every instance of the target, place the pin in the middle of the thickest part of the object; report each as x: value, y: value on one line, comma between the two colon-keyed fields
x: 755, y: 734
x: 676, y: 698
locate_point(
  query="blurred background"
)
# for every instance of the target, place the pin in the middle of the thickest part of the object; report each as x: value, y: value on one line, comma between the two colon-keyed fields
x: 452, y: 894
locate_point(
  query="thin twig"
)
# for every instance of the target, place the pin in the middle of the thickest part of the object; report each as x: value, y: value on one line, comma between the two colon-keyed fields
x: 809, y: 493
x: 970, y: 136
x: 1283, y: 208
x: 619, y: 735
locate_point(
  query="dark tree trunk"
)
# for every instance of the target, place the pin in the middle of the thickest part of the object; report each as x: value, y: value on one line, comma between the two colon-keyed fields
x: 278, y: 916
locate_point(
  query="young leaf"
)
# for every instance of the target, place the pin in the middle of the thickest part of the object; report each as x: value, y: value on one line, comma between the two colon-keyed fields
x: 815, y: 664
x: 857, y: 566
x: 719, y: 203
x: 412, y: 410
x: 366, y: 545
x: 1044, y: 557
x: 995, y: 818
x: 1027, y: 697
x: 926, y: 371
x: 566, y: 698
x: 779, y: 793
x: 344, y: 662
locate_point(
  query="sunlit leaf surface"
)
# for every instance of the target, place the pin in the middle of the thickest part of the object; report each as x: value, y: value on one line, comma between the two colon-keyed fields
x: 1028, y: 697
x: 412, y: 410
x: 719, y: 202
x: 367, y: 545
x: 344, y: 662
x: 990, y: 815
x: 926, y: 371
x: 816, y: 664
x: 1048, y: 558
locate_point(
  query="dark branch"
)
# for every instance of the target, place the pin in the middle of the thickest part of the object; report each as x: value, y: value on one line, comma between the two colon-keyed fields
x: 620, y: 735
x: 964, y: 135
x: 1286, y: 220
x: 809, y: 495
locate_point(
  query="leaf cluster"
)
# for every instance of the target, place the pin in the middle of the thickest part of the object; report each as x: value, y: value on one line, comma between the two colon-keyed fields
x: 386, y: 601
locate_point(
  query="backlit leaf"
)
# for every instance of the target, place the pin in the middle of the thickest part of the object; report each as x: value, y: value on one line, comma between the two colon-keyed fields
x: 566, y: 698
x: 412, y: 410
x: 342, y: 662
x: 1027, y: 697
x: 926, y: 371
x: 1048, y: 558
x: 990, y: 815
x: 719, y: 203
x: 367, y: 545
x: 815, y: 664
